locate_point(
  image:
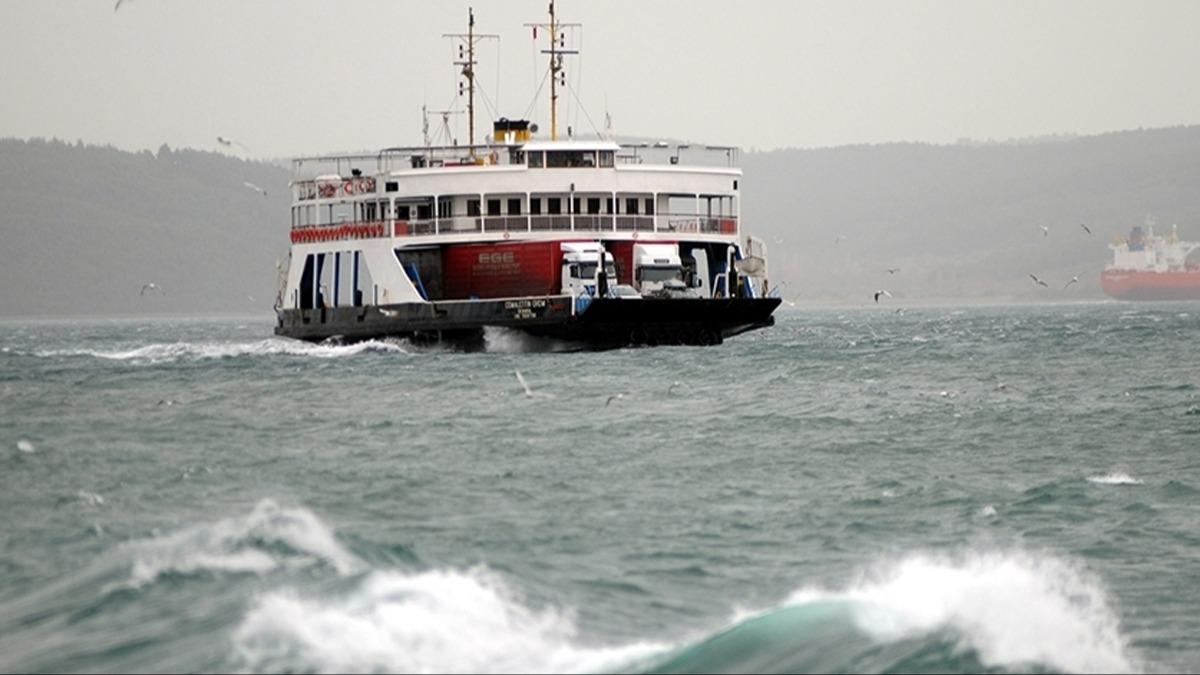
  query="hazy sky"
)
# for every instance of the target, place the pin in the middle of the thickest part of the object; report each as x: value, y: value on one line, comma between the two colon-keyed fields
x: 298, y: 76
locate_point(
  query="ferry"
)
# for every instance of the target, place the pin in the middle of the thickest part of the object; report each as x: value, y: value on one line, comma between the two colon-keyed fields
x: 589, y: 241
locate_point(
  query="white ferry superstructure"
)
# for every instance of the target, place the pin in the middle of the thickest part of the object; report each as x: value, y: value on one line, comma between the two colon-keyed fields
x: 588, y: 241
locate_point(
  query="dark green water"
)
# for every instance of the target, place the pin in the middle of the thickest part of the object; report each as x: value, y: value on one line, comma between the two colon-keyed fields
x: 970, y: 489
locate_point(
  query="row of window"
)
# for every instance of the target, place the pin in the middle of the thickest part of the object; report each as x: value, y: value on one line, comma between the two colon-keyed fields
x: 377, y: 210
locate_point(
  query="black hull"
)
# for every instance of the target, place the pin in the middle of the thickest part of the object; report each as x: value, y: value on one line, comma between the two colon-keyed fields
x: 604, y: 324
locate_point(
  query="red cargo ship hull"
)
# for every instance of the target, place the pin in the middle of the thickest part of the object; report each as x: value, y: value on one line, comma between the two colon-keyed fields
x: 1135, y: 285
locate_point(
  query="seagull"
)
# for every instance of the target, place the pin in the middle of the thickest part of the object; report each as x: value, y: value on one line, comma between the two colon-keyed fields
x: 879, y: 293
x: 672, y: 387
x: 614, y: 397
x: 521, y: 379
x: 839, y: 238
x: 152, y: 286
x: 254, y: 187
x: 118, y: 5
x: 1073, y: 280
x: 229, y: 143
x: 1045, y: 230
x: 893, y: 270
x: 1038, y: 281
x: 1086, y: 228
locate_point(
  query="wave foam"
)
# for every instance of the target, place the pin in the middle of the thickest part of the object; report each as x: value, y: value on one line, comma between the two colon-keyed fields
x: 1013, y: 610
x: 269, y: 538
x: 501, y: 340
x: 1115, y: 478
x: 438, y: 621
x: 164, y: 353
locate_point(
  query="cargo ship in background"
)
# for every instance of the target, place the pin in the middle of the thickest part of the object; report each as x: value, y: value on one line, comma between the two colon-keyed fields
x: 1146, y: 266
x: 589, y: 241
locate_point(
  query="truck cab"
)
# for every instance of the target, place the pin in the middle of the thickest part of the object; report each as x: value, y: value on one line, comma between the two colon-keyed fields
x: 657, y: 269
x: 581, y: 268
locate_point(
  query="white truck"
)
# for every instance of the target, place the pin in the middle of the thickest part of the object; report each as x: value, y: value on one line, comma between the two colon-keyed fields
x: 581, y: 268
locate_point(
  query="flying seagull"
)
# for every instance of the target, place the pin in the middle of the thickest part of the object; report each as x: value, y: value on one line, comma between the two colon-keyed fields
x: 229, y: 143
x: 254, y: 187
x: 118, y: 5
x: 1045, y: 230
x: 839, y: 238
x: 879, y: 293
x: 1073, y: 280
x: 614, y: 397
x: 1086, y: 228
x: 521, y: 379
x: 153, y: 287
x: 893, y: 270
x: 1038, y: 281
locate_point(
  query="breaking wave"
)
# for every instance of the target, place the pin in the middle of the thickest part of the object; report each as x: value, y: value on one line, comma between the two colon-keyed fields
x: 1115, y: 478
x: 164, y: 353
x: 268, y: 538
x: 924, y: 614
x: 431, y: 622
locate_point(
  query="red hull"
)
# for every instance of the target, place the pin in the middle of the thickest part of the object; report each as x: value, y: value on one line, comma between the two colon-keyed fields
x: 1133, y: 285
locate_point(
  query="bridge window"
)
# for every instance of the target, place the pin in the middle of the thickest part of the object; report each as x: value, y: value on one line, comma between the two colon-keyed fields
x: 537, y: 159
x: 570, y: 159
x: 606, y: 158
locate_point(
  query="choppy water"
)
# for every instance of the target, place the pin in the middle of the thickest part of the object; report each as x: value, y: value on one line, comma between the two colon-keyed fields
x: 996, y: 488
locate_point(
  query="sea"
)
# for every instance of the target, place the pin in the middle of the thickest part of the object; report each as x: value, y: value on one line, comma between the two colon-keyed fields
x: 860, y: 489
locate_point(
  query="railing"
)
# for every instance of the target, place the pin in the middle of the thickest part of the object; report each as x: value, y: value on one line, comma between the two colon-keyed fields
x: 664, y: 223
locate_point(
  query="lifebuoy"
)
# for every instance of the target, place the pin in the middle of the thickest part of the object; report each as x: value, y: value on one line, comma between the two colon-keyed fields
x: 369, y: 184
x: 507, y: 235
x: 348, y: 187
x: 635, y: 235
x: 328, y: 190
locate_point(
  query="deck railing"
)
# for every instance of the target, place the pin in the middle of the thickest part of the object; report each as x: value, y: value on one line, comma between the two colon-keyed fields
x: 591, y: 223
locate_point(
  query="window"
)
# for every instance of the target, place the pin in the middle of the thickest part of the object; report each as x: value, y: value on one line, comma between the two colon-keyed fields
x: 493, y: 206
x: 444, y: 206
x: 537, y: 159
x: 514, y: 207
x: 570, y: 159
x: 535, y: 206
x: 473, y: 208
x: 631, y: 206
x: 391, y: 186
x: 424, y: 212
x: 593, y: 205
x: 402, y: 212
x: 608, y: 205
x: 606, y: 158
x: 575, y: 205
x: 516, y: 157
x: 649, y: 206
x: 554, y: 206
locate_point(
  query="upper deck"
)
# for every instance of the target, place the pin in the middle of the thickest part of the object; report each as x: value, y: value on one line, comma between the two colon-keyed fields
x: 534, y: 186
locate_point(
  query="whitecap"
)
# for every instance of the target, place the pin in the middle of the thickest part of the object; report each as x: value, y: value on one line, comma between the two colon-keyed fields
x: 1014, y: 610
x: 90, y: 498
x: 987, y: 511
x: 1115, y: 478
x: 169, y: 352
x: 25, y: 446
x: 268, y: 538
x: 437, y: 621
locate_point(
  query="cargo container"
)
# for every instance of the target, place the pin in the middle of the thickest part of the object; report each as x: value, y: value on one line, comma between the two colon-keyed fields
x: 504, y: 270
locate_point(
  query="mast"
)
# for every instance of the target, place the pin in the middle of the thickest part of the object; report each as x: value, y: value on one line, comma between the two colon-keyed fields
x: 558, y: 43
x: 466, y: 59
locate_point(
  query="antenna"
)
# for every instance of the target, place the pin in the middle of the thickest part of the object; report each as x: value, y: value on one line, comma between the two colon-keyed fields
x: 558, y: 44
x: 466, y: 59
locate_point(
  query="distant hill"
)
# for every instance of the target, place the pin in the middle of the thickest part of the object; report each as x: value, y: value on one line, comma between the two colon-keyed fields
x: 964, y: 221
x: 85, y: 227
